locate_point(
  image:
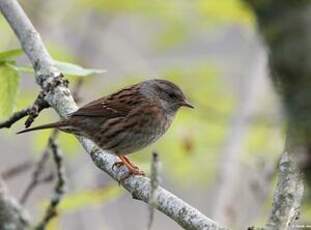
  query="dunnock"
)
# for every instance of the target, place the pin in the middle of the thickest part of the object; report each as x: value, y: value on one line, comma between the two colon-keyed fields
x: 126, y: 121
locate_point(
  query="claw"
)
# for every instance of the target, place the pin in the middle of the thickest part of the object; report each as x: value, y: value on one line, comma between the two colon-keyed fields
x: 132, y: 173
x: 132, y: 169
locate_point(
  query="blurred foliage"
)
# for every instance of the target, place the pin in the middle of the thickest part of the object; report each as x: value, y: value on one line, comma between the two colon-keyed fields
x: 92, y: 197
x: 229, y: 11
x: 175, y: 25
x: 9, y: 54
x: 6, y: 34
x: 69, y: 144
x: 193, y: 142
x: 306, y: 212
x: 225, y: 11
x: 74, y: 202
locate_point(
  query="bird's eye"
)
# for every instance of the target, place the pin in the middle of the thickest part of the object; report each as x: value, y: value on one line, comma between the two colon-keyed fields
x: 172, y: 95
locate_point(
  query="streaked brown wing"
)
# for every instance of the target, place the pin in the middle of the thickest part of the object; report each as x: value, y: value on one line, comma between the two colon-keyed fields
x: 103, y: 108
x: 119, y: 104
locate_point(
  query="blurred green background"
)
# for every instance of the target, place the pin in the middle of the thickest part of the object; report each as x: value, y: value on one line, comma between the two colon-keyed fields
x: 220, y: 157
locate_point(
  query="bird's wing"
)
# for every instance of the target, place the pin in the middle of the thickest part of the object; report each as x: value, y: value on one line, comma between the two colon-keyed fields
x: 102, y: 108
x: 119, y: 104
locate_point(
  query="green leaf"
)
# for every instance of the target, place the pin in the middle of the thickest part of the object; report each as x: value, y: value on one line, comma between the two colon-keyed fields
x: 76, y: 70
x: 9, y: 54
x: 65, y: 67
x: 9, y: 82
x: 20, y: 69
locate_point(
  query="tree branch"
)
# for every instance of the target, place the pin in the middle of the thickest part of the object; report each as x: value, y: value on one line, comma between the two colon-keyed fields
x: 32, y: 112
x: 60, y: 98
x: 12, y: 216
x: 35, y: 178
x: 288, y: 195
x: 155, y: 182
x: 59, y: 189
x: 16, y: 170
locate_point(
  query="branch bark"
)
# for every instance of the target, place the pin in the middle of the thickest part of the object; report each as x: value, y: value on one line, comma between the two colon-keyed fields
x: 288, y: 195
x: 60, y: 98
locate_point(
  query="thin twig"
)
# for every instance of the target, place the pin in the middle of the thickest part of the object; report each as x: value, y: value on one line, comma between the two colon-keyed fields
x: 155, y: 182
x: 12, y: 215
x: 47, y: 178
x: 39, y: 104
x: 32, y: 112
x: 59, y: 189
x: 77, y: 89
x: 35, y: 178
x: 14, y: 118
x: 17, y: 170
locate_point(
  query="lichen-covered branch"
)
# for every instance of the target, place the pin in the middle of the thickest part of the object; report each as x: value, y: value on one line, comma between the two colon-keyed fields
x: 288, y: 195
x: 60, y: 98
x: 155, y: 183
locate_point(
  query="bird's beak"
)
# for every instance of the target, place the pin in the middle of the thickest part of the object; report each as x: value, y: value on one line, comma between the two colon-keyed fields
x: 187, y: 104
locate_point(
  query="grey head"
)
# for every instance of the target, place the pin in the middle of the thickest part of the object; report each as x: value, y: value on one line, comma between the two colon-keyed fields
x: 170, y: 95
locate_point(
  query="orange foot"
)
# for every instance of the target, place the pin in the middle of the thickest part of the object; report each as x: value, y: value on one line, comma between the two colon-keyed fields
x: 132, y: 169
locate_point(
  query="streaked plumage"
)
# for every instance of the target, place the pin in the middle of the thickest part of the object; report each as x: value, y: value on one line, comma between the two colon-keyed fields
x: 128, y: 120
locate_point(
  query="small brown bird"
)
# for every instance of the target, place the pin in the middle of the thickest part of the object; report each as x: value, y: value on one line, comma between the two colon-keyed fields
x: 126, y: 121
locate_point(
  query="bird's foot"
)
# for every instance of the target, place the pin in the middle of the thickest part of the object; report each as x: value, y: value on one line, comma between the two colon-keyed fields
x: 132, y: 172
x: 124, y: 161
x: 132, y: 169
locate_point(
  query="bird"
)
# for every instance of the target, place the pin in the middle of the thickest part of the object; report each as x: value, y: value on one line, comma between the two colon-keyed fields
x: 125, y: 121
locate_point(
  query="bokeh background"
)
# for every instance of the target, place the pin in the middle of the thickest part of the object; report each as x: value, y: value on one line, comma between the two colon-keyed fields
x: 220, y: 157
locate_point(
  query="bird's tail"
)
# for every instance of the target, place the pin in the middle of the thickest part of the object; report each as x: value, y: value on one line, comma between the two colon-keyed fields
x: 46, y: 126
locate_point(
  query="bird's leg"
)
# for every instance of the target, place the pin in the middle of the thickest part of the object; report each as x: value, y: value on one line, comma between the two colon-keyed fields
x: 121, y: 163
x: 133, y: 170
x: 130, y: 163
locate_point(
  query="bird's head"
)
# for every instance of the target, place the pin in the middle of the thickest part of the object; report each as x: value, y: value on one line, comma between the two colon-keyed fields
x: 170, y: 95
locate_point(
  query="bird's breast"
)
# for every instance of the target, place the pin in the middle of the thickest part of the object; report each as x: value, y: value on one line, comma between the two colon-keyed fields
x: 137, y: 131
